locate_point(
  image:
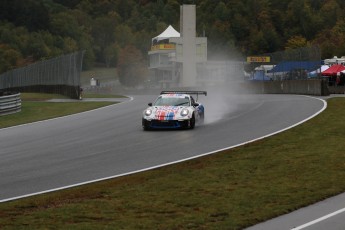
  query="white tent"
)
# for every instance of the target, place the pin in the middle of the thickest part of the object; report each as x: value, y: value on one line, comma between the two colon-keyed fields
x: 335, y: 60
x: 170, y: 32
x: 322, y: 68
x: 318, y: 71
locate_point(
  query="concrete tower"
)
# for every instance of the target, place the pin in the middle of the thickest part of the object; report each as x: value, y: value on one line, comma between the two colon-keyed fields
x: 188, y: 35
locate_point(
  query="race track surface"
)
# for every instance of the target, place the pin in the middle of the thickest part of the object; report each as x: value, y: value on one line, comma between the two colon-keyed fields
x: 107, y: 142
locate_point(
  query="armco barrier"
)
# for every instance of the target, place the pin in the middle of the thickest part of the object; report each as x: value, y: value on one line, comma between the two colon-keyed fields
x: 10, y: 104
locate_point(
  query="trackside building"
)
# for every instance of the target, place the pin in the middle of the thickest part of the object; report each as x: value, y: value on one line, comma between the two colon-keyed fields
x: 176, y: 59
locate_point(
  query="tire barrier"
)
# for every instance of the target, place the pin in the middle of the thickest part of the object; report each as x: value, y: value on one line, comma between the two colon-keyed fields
x: 10, y: 103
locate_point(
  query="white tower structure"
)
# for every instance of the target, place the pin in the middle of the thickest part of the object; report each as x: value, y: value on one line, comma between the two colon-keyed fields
x: 188, y: 34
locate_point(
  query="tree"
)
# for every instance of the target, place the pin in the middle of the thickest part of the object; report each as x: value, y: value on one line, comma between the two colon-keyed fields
x: 240, y: 28
x: 37, y: 47
x: 111, y: 55
x: 31, y: 14
x: 68, y: 3
x: 258, y: 44
x: 70, y: 45
x: 103, y: 33
x: 47, y: 28
x: 303, y: 19
x: 132, y: 69
x: 221, y: 12
x: 124, y: 35
x: 65, y: 24
x: 170, y: 13
x: 332, y: 40
x: 9, y: 58
x: 330, y: 12
x: 296, y: 42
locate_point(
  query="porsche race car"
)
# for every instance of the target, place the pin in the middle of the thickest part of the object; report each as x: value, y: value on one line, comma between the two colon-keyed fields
x: 174, y: 110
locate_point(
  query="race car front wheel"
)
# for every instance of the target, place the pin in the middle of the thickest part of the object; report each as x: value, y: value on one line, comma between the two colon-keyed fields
x: 145, y: 125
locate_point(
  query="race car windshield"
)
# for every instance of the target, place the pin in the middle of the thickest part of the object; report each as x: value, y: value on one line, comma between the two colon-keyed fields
x: 172, y: 101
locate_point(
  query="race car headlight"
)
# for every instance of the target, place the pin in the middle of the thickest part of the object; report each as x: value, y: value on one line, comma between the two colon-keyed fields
x: 184, y: 112
x: 148, y: 112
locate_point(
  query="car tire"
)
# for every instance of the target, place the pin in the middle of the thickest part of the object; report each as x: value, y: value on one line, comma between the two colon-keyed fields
x: 145, y: 125
x: 192, y: 122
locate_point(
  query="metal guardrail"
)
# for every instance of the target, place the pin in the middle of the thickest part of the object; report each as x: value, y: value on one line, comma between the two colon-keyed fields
x: 10, y: 104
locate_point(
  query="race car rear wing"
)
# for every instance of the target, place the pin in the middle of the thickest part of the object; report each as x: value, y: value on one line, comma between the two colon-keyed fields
x: 185, y: 92
x: 197, y: 93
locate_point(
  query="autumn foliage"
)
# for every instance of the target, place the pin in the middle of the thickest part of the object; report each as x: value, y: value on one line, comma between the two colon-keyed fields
x: 131, y: 68
x: 42, y: 29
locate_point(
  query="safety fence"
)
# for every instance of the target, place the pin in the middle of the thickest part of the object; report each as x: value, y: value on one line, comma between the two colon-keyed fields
x: 293, y: 71
x: 10, y: 104
x: 292, y: 64
x: 58, y: 75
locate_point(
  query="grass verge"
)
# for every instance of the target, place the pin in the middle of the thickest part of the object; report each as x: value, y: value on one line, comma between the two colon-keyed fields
x: 95, y: 95
x: 35, y: 108
x: 229, y: 190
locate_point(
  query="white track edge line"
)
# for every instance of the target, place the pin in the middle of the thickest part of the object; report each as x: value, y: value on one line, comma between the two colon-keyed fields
x: 319, y: 219
x: 170, y: 163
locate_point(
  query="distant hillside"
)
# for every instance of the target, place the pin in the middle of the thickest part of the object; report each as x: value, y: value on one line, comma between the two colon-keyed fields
x: 32, y: 30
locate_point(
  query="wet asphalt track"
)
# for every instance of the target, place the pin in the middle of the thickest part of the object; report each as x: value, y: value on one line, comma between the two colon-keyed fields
x: 104, y: 143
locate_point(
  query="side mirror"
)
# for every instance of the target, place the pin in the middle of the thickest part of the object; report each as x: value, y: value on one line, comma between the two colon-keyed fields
x: 150, y: 104
x: 196, y: 104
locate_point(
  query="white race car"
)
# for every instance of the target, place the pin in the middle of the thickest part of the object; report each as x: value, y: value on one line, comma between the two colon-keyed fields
x: 174, y: 110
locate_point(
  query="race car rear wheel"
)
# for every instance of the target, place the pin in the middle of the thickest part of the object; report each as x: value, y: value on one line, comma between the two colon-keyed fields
x: 192, y: 122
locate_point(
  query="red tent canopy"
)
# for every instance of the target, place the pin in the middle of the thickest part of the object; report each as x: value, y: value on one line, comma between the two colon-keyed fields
x: 333, y: 70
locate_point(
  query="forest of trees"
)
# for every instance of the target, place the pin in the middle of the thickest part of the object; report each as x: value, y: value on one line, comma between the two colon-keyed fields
x: 33, y: 30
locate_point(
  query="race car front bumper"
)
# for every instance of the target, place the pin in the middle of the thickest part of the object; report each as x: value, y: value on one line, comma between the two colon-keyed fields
x: 165, y: 124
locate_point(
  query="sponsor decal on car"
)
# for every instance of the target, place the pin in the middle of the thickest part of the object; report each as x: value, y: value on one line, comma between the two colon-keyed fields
x: 166, y: 112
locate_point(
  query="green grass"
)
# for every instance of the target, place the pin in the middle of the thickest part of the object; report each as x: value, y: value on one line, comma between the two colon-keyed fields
x: 35, y: 108
x: 96, y: 95
x: 229, y: 190
x: 40, y: 96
